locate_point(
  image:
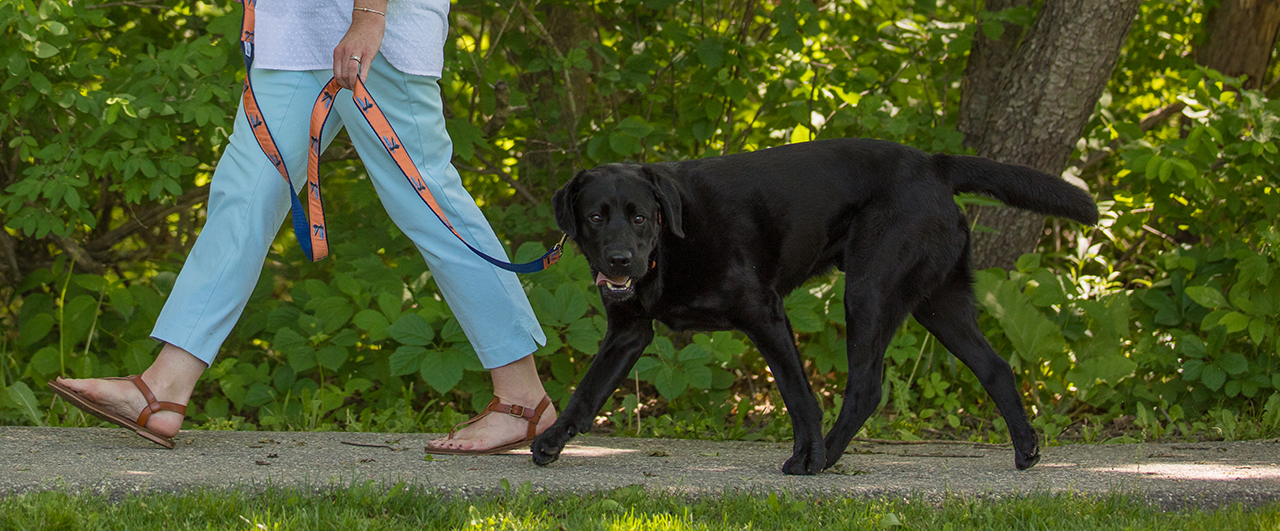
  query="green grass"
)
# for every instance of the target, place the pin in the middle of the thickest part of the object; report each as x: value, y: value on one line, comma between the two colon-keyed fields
x: 374, y: 507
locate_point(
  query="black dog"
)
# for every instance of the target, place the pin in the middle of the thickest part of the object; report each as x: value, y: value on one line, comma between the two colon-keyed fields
x: 717, y: 243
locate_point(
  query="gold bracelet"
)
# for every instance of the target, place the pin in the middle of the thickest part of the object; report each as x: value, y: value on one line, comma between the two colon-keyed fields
x: 384, y: 15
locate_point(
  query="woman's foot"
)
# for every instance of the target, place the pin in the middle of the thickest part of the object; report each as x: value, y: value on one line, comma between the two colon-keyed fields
x: 497, y: 429
x: 123, y: 398
x: 171, y: 378
x: 516, y: 384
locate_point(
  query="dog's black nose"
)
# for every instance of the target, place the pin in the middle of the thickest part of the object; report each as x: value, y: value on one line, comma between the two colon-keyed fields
x: 620, y: 259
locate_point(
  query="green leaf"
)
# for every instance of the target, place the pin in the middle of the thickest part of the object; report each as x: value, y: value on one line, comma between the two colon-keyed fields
x: 584, y: 336
x: 574, y: 301
x: 1235, y: 322
x: 288, y: 339
x: 332, y: 357
x: 302, y: 358
x: 694, y: 354
x: 34, y: 329
x: 635, y: 126
x: 805, y: 320
x: 1233, y: 363
x: 1033, y: 335
x: 466, y: 136
x: 258, y: 395
x: 46, y: 361
x: 372, y: 322
x: 711, y: 52
x: 1258, y: 330
x: 332, y: 312
x: 412, y: 329
x: 1107, y: 369
x: 122, y: 301
x: 1213, y: 376
x: 407, y: 360
x: 391, y: 303
x: 670, y: 383
x: 1207, y: 296
x: 21, y: 395
x: 624, y: 144
x: 993, y: 29
x: 699, y: 376
x: 45, y: 50
x: 442, y: 370
x: 96, y: 283
x: 77, y: 317
x: 646, y: 368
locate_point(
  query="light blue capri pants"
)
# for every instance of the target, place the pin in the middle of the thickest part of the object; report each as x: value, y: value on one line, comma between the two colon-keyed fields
x: 248, y: 202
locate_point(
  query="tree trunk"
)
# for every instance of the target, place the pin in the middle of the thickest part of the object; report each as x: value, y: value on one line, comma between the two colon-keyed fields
x: 1242, y: 34
x: 1036, y: 114
x: 562, y: 26
x: 988, y: 63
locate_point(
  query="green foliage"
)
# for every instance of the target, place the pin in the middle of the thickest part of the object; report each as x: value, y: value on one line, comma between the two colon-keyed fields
x: 1161, y: 320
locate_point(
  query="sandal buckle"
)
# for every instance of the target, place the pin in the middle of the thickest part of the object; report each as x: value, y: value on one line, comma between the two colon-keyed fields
x: 516, y: 411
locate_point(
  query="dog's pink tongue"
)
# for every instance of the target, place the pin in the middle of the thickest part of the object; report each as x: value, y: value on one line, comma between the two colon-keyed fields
x: 601, y: 279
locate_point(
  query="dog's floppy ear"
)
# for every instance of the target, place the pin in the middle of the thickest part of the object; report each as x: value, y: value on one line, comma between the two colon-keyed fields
x: 668, y: 196
x: 562, y: 204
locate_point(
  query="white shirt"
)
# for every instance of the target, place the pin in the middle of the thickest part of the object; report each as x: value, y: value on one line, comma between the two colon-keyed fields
x: 301, y: 34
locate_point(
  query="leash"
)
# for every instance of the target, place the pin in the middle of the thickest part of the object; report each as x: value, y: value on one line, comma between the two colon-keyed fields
x: 309, y: 225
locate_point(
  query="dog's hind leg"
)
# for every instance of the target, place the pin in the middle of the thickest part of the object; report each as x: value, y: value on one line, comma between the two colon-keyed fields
x: 772, y: 335
x: 872, y: 316
x: 949, y: 314
x: 625, y: 341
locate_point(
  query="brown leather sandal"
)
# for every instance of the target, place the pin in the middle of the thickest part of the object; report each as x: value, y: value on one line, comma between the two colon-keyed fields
x: 140, y: 426
x: 532, y: 416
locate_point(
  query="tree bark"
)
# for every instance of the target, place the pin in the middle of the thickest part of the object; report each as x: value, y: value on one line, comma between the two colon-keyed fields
x: 987, y: 66
x: 566, y: 24
x: 1037, y: 113
x: 1242, y: 34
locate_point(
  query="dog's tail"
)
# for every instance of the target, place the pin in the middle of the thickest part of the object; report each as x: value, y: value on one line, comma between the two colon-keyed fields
x: 1018, y: 186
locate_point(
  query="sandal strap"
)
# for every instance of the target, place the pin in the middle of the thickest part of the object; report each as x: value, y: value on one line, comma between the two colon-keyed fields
x: 153, y: 405
x: 530, y: 415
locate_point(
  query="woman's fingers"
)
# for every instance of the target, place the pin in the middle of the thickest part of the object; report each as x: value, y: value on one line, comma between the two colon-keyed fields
x: 354, y: 54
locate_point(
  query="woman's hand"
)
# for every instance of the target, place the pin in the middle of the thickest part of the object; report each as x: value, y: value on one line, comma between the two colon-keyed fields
x: 355, y: 52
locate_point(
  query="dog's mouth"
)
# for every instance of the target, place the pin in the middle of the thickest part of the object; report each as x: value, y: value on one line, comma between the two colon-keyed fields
x: 615, y: 284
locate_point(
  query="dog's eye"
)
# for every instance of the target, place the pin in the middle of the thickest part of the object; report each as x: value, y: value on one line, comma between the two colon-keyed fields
x: 637, y: 220
x: 595, y: 218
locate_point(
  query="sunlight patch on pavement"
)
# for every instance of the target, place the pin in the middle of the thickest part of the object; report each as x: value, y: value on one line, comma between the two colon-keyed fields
x: 1196, y: 472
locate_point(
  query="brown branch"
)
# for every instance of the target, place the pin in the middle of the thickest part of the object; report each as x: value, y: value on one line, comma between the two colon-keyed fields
x: 501, y: 109
x: 185, y: 201
x: 1148, y: 122
x: 492, y: 169
x: 568, y: 81
x: 966, y: 443
x: 82, y: 258
x: 130, y: 4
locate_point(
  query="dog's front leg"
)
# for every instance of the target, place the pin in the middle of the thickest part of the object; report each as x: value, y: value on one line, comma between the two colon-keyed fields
x: 622, y: 346
x: 774, y: 339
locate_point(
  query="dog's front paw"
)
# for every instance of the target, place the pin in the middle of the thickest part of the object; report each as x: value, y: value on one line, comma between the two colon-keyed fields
x: 546, y: 449
x: 806, y: 461
x: 1024, y: 459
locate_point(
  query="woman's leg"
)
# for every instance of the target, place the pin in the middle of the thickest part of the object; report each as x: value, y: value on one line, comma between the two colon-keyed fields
x: 248, y: 200
x: 489, y: 303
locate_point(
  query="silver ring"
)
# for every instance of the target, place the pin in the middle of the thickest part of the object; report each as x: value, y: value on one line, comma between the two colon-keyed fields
x: 355, y: 58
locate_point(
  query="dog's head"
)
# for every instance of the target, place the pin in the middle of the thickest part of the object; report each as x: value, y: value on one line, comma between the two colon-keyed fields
x: 617, y: 214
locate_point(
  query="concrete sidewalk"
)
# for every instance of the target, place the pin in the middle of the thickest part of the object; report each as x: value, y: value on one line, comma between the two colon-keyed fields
x: 116, y: 461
